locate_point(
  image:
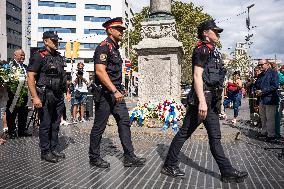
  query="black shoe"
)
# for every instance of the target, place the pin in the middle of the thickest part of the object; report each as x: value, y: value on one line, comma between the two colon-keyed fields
x: 133, y: 161
x: 49, y: 158
x: 270, y: 139
x: 58, y: 154
x: 25, y: 134
x: 234, y: 176
x: 172, y: 171
x: 260, y: 135
x: 12, y: 136
x: 99, y: 162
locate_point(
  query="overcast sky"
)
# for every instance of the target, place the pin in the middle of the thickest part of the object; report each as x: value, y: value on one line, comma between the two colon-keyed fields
x: 267, y: 15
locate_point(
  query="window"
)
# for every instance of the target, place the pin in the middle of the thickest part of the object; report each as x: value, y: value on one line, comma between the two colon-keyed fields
x: 56, y: 17
x: 12, y: 46
x: 89, y: 45
x: 61, y: 45
x: 95, y: 31
x: 40, y: 44
x: 56, y: 4
x: 57, y: 29
x: 131, y: 12
x: 13, y: 7
x: 9, y: 30
x: 97, y: 7
x: 13, y: 19
x: 96, y: 19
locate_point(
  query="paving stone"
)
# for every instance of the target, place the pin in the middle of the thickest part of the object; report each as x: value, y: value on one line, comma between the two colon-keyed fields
x: 21, y: 166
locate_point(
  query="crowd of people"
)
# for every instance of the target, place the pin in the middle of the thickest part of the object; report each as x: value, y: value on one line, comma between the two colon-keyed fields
x: 265, y: 93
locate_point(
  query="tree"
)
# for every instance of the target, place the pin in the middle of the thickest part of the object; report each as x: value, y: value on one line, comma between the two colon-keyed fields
x: 188, y: 17
x: 239, y: 63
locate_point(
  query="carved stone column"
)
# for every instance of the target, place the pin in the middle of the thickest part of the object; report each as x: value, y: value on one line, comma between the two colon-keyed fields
x: 160, y: 7
x: 159, y: 58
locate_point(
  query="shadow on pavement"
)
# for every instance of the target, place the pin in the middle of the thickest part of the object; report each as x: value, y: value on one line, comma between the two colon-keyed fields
x: 162, y: 150
x: 64, y: 142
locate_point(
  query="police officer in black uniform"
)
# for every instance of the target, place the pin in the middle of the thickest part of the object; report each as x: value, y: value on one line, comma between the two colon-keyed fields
x: 204, y: 105
x: 47, y: 83
x: 108, y: 71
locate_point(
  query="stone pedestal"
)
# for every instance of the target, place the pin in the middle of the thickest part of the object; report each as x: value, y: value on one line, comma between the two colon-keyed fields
x: 159, y: 59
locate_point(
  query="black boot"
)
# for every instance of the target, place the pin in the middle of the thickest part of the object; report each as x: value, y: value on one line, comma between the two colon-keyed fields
x: 172, y: 171
x: 13, y: 135
x: 133, y: 161
x: 234, y: 176
x: 49, y: 158
x: 58, y: 154
x: 99, y: 162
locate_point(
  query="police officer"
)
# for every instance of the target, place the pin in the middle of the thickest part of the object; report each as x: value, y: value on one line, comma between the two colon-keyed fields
x: 208, y: 78
x: 46, y: 79
x: 108, y: 71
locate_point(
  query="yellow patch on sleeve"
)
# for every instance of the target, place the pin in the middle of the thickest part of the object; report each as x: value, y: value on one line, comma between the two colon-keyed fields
x: 103, y: 57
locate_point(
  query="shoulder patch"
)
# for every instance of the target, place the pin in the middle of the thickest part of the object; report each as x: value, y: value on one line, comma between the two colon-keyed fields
x: 103, y: 43
x: 103, y: 57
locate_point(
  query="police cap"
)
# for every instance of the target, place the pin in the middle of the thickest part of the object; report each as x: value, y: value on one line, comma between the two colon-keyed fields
x: 209, y: 24
x: 51, y: 35
x: 114, y: 23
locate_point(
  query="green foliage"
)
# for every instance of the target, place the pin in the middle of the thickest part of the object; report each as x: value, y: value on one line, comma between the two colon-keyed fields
x: 240, y: 63
x: 188, y: 17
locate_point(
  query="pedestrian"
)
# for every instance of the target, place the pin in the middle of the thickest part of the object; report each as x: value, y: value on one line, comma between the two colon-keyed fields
x: 233, y: 95
x: 204, y: 105
x: 18, y: 108
x: 109, y: 98
x: 253, y: 99
x: 280, y: 106
x: 266, y: 88
x: 46, y: 81
x: 80, y: 80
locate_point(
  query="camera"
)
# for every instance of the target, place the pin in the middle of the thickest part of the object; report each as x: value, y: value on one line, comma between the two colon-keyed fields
x: 80, y: 72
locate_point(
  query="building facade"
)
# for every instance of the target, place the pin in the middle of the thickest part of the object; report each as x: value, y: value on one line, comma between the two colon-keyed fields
x: 12, y: 15
x: 76, y: 21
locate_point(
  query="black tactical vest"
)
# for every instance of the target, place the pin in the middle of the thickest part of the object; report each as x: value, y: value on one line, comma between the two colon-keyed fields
x: 52, y: 74
x: 214, y: 72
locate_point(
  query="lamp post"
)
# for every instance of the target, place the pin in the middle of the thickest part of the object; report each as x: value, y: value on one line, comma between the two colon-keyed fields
x: 248, y: 37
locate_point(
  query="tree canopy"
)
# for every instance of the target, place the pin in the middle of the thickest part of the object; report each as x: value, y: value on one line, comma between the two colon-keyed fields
x: 188, y: 17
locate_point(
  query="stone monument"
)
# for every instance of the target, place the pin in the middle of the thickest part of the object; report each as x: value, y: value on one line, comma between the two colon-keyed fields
x: 159, y: 55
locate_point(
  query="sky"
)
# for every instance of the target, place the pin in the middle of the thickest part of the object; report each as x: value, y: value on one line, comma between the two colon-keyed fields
x: 266, y: 15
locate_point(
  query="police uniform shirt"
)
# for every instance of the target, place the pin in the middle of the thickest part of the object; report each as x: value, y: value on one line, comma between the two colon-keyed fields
x: 107, y: 53
x: 38, y: 62
x: 200, y: 56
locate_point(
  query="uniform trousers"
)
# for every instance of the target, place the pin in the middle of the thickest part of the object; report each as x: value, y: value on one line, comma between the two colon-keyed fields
x: 50, y: 118
x: 212, y: 125
x: 103, y: 108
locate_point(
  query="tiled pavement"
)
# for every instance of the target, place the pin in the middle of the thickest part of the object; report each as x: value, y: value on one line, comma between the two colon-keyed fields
x: 21, y: 167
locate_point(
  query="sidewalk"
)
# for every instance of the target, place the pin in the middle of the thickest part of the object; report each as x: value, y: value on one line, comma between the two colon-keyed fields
x: 21, y: 167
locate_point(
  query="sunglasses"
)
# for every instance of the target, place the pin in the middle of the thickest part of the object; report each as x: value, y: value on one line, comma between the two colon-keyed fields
x: 261, y: 64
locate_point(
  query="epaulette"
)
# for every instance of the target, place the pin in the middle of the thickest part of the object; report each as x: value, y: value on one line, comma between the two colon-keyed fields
x: 208, y: 45
x: 105, y: 42
x: 43, y: 52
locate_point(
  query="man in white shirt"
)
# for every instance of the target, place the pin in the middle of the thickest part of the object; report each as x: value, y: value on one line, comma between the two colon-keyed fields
x: 80, y: 80
x: 14, y: 107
